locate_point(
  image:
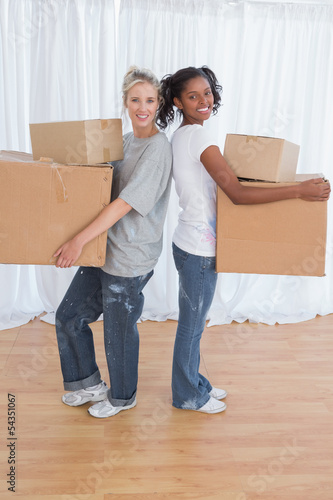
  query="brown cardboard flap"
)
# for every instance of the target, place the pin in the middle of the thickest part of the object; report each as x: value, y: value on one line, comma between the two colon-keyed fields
x: 86, y: 142
x: 264, y: 158
x: 42, y: 206
x: 285, y: 237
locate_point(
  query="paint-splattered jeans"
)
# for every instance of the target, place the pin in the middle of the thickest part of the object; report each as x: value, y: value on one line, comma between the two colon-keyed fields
x: 91, y: 293
x: 197, y: 283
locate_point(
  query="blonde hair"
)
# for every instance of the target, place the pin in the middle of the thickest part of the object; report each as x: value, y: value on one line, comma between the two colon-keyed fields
x: 136, y: 75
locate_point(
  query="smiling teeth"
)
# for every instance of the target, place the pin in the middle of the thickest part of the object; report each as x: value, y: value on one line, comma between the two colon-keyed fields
x: 203, y: 109
x: 142, y: 116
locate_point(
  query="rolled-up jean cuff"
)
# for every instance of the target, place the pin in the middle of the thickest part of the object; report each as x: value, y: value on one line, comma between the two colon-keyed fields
x: 120, y: 402
x: 90, y: 381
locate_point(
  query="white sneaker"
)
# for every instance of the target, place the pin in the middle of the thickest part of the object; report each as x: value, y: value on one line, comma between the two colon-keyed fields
x: 212, y: 406
x: 105, y: 409
x: 218, y: 393
x: 78, y: 398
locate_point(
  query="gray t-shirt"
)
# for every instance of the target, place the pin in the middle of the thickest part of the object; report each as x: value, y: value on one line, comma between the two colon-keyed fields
x: 143, y: 180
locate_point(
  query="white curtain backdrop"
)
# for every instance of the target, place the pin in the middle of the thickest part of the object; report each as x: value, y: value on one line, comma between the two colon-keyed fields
x: 62, y: 60
x: 57, y: 62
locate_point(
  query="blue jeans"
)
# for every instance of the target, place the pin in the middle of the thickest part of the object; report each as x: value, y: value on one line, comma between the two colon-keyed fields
x: 91, y: 293
x: 197, y: 282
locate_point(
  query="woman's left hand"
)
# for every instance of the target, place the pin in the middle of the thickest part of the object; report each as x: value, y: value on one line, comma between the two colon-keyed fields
x: 68, y: 253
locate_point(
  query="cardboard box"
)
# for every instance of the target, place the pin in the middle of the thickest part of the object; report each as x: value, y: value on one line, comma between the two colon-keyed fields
x: 261, y: 158
x: 285, y: 237
x: 87, y: 142
x: 43, y: 205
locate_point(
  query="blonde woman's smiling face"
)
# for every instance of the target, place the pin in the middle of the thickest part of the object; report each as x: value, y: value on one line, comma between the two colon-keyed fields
x: 142, y: 103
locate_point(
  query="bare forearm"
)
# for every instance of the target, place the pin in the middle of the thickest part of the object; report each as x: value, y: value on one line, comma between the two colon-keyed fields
x: 248, y: 195
x: 106, y: 219
x: 70, y: 251
x: 219, y: 170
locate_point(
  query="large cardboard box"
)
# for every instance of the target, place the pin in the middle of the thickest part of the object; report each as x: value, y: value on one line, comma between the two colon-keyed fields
x: 43, y: 205
x: 86, y: 142
x: 261, y: 158
x: 285, y: 237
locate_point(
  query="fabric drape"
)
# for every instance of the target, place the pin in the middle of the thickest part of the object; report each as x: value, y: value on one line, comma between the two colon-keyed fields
x: 64, y: 60
x: 57, y: 62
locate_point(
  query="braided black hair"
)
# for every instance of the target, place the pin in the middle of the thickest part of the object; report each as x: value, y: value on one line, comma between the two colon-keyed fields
x: 173, y: 86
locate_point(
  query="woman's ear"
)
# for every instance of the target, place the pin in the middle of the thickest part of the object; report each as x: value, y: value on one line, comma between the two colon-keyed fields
x: 177, y: 103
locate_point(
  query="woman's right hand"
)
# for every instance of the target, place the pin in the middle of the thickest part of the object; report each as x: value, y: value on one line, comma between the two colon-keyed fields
x: 314, y: 190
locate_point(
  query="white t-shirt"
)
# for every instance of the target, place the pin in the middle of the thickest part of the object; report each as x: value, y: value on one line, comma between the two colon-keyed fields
x: 196, y: 229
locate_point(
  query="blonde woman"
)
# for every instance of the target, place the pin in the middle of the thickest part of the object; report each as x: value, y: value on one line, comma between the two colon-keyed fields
x: 134, y: 220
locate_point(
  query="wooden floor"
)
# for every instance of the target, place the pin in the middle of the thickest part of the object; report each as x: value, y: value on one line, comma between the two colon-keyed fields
x: 274, y: 441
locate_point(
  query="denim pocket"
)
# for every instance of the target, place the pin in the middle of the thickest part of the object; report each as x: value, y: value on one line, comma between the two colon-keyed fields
x: 179, y: 256
x: 209, y: 262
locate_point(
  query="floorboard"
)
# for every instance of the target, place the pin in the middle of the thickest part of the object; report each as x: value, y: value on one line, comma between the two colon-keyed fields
x: 274, y: 441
